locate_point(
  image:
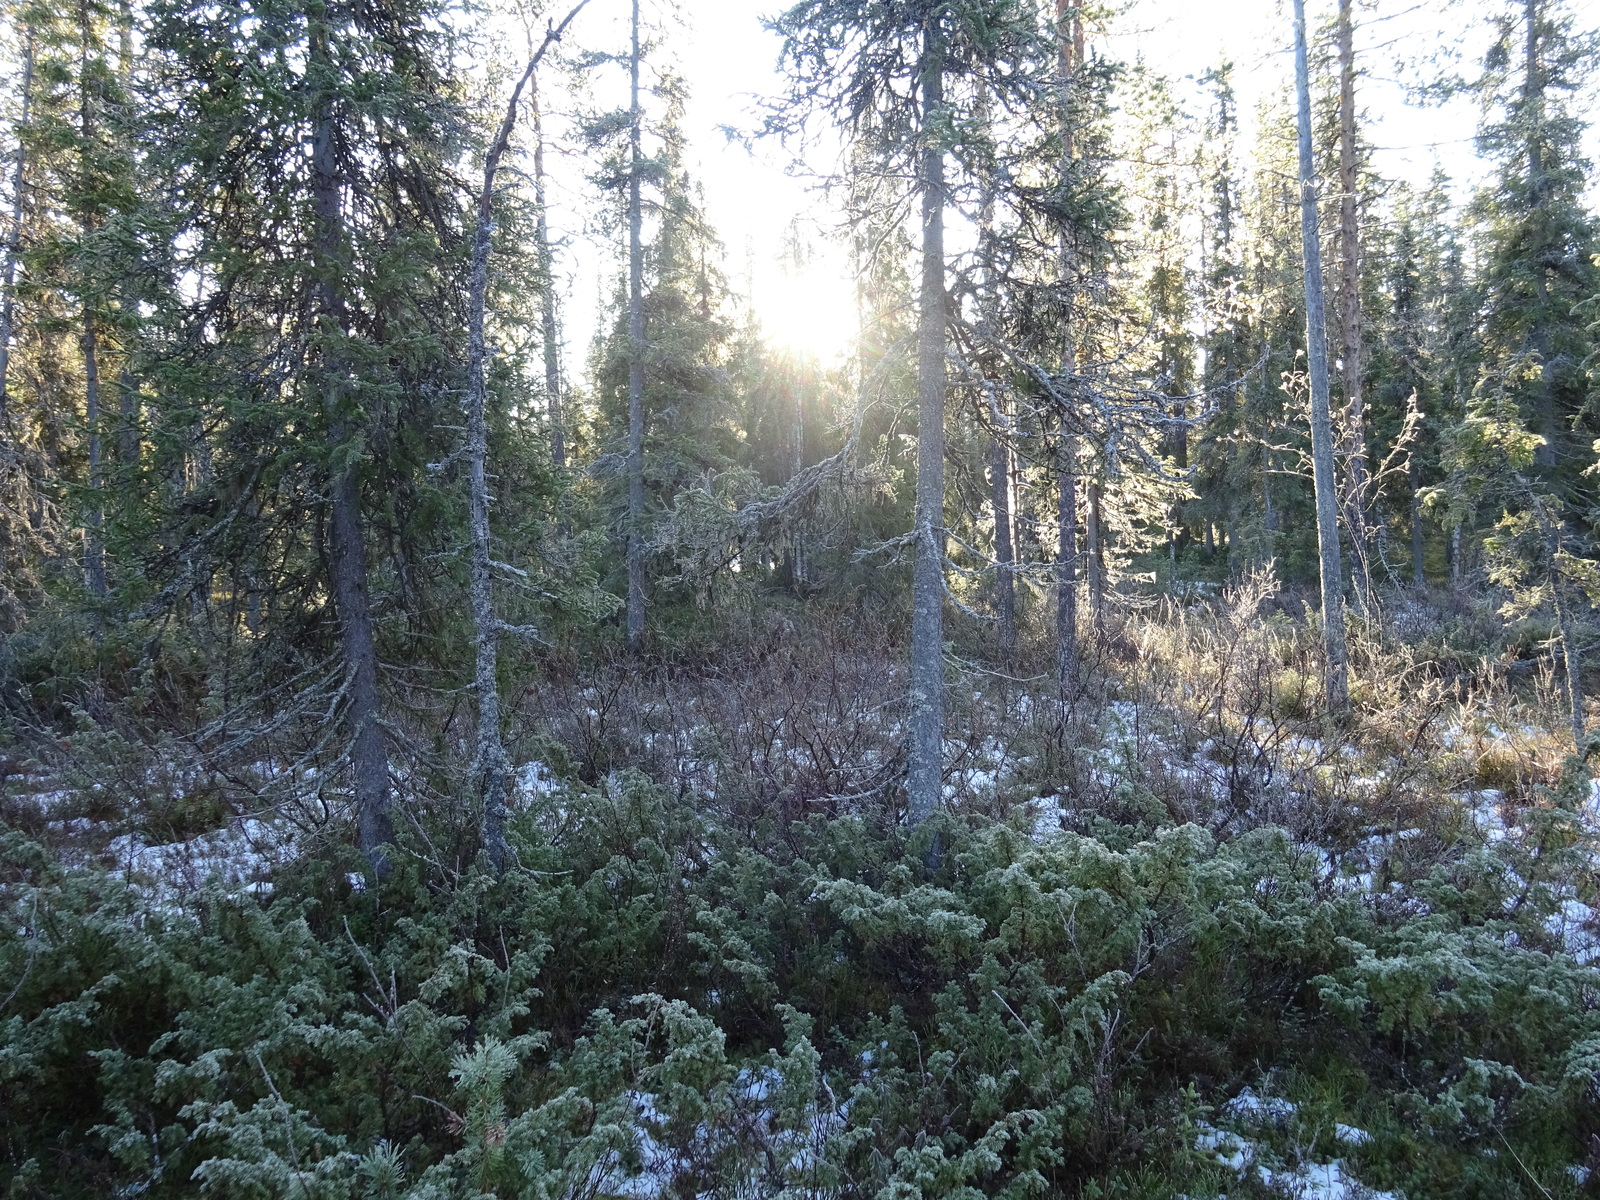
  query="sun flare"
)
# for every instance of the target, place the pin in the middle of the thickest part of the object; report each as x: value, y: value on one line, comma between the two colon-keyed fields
x: 809, y: 313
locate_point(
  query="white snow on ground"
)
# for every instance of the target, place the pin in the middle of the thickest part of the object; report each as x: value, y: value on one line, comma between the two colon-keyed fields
x: 1308, y: 1181
x: 241, y: 856
x: 1575, y: 925
x: 1247, y: 1106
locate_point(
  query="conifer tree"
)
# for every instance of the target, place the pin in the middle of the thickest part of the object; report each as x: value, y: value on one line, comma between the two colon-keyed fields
x: 310, y: 379
x: 905, y: 78
x: 1539, y: 239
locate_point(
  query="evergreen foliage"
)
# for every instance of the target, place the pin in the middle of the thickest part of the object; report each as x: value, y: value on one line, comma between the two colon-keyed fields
x: 429, y: 769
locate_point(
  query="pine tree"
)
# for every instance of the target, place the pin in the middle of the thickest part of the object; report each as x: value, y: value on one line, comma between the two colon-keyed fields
x: 905, y: 79
x: 312, y: 379
x: 1538, y: 238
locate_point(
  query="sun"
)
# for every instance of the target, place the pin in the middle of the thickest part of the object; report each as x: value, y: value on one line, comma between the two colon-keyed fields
x: 810, y: 311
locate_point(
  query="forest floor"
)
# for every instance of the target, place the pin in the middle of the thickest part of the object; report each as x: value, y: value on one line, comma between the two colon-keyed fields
x: 1203, y: 715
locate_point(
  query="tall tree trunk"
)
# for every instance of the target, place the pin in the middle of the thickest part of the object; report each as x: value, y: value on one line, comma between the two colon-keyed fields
x: 94, y: 535
x: 1094, y: 546
x: 369, y: 752
x: 549, y: 327
x: 14, y: 241
x: 94, y: 556
x: 1350, y: 319
x: 795, y: 567
x: 925, y: 771
x: 1336, y: 682
x: 1004, y: 551
x: 1572, y: 666
x: 1005, y: 592
x: 1066, y: 569
x: 1550, y: 525
x: 1417, y: 576
x: 127, y: 388
x: 1533, y: 86
x: 492, y: 766
x: 127, y: 417
x: 636, y: 349
x: 1069, y: 51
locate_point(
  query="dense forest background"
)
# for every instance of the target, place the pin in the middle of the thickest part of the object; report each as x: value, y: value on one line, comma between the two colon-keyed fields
x: 1120, y: 729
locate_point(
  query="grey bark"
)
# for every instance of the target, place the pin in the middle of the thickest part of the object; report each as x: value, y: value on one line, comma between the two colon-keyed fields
x: 14, y: 242
x: 1004, y: 551
x: 492, y: 766
x: 1417, y: 576
x: 94, y: 540
x: 1069, y: 49
x: 127, y: 388
x: 1533, y: 85
x: 636, y: 351
x: 94, y: 556
x: 1572, y: 666
x: 549, y: 326
x: 1336, y: 682
x: 1350, y: 316
x: 925, y: 770
x: 1066, y: 570
x: 999, y: 446
x: 369, y: 753
x: 1094, y: 546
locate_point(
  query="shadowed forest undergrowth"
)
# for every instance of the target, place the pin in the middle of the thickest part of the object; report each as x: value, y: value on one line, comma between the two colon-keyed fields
x: 1186, y: 933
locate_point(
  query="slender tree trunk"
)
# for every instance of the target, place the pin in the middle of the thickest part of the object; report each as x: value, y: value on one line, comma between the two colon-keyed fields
x: 94, y: 535
x: 1572, y: 667
x: 1004, y: 551
x: 1549, y: 452
x: 1336, y: 684
x: 1095, y: 549
x: 369, y: 752
x: 1066, y: 569
x: 127, y: 418
x: 636, y: 351
x: 1069, y: 50
x: 1417, y: 576
x: 14, y: 242
x: 795, y: 554
x: 550, y: 328
x: 999, y: 445
x: 925, y: 772
x: 127, y: 388
x: 1350, y: 317
x: 1269, y: 511
x: 492, y: 766
x: 94, y: 558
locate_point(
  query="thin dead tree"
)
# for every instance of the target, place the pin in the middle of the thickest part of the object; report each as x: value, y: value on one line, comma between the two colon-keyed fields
x: 1336, y: 675
x: 925, y: 769
x: 549, y: 326
x: 1350, y: 317
x: 491, y: 766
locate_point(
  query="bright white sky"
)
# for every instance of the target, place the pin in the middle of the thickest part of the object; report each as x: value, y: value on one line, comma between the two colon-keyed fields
x: 729, y: 59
